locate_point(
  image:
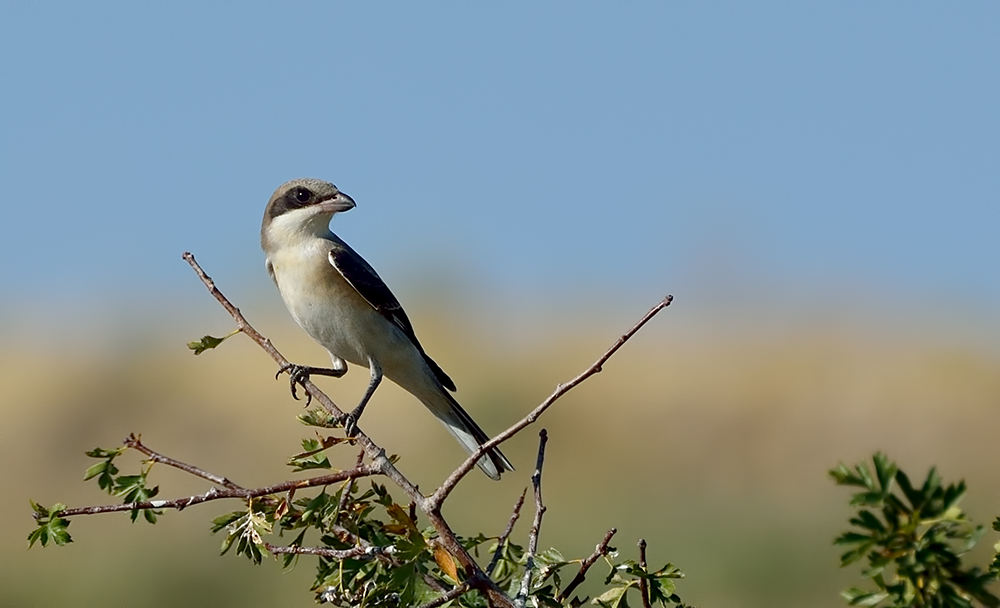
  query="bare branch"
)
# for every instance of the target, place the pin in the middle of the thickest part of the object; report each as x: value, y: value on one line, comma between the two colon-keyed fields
x: 449, y: 484
x: 600, y: 550
x: 506, y: 533
x: 643, y: 585
x: 132, y: 441
x: 217, y: 494
x: 536, y: 482
x: 370, y: 551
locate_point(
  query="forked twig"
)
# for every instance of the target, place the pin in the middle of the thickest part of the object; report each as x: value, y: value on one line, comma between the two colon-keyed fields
x: 449, y: 484
x: 506, y: 533
x: 133, y: 442
x: 601, y: 550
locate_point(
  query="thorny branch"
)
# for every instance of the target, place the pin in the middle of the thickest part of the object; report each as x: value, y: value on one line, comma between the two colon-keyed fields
x: 476, y: 578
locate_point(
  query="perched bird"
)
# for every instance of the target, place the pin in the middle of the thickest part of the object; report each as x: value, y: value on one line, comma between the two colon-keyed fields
x: 341, y: 302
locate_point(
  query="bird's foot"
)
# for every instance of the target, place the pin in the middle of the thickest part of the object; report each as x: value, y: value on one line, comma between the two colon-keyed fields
x: 350, y: 424
x: 297, y: 374
x: 350, y: 421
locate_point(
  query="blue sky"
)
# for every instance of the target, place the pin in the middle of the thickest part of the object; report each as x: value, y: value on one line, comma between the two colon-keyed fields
x: 530, y: 148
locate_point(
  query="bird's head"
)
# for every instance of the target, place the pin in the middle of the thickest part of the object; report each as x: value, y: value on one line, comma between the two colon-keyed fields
x: 304, y: 205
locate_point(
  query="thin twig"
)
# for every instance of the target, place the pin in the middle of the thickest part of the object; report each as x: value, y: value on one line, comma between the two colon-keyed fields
x: 217, y: 494
x: 643, y: 585
x: 449, y: 484
x: 599, y: 551
x: 536, y: 482
x: 346, y: 492
x: 506, y: 533
x: 447, y: 597
x: 132, y: 441
x: 370, y: 551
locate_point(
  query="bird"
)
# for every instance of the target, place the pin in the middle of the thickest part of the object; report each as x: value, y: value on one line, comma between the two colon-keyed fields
x: 343, y: 304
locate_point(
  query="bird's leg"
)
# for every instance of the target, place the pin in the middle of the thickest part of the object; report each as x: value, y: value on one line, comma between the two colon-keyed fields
x: 350, y: 421
x: 298, y: 374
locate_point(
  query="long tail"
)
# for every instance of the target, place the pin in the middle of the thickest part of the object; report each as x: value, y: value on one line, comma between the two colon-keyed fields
x: 466, y: 431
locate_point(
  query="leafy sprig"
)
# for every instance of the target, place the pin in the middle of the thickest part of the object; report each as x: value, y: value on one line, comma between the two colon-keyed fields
x: 913, y: 537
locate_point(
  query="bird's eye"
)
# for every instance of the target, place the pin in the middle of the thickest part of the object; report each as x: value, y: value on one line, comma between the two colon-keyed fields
x: 303, y: 195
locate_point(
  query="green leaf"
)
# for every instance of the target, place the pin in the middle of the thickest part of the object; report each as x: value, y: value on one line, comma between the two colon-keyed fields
x: 932, y: 483
x: 866, y: 476
x: 132, y: 488
x: 209, y: 342
x: 105, y: 473
x: 915, y: 497
x: 857, y: 597
x: 885, y: 470
x: 867, y: 499
x: 866, y: 519
x: 103, y: 453
x: 50, y: 526
x: 313, y: 456
x: 206, y: 343
x: 844, y: 477
x: 953, y: 495
x: 612, y: 598
x: 223, y: 521
x: 322, y: 419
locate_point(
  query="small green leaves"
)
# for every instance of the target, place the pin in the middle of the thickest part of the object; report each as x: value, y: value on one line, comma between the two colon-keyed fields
x: 878, y: 487
x: 132, y: 488
x: 313, y: 456
x: 104, y: 471
x: 209, y: 342
x: 914, y: 550
x: 319, y: 418
x: 51, y: 527
x: 629, y: 575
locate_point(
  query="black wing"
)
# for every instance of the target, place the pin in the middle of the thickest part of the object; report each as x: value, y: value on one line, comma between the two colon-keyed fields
x: 373, y: 289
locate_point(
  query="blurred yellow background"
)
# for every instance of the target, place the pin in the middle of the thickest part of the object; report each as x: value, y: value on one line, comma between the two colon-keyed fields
x: 709, y: 434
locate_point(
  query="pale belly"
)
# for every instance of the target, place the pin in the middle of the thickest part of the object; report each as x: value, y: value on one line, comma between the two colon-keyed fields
x: 335, y: 315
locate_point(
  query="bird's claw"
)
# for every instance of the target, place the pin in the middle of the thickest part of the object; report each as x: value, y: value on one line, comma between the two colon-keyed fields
x: 297, y: 374
x: 350, y: 424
